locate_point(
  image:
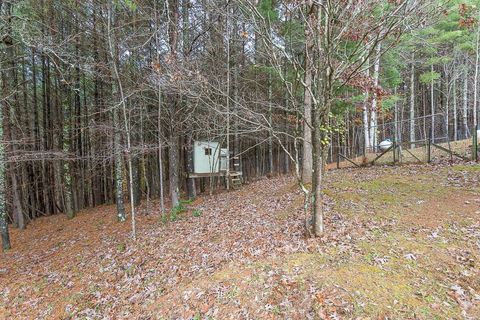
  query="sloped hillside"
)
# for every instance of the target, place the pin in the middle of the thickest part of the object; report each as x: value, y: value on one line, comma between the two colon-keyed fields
x: 401, y: 243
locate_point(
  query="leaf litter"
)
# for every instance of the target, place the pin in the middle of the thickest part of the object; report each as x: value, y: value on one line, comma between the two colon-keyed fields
x: 247, y: 257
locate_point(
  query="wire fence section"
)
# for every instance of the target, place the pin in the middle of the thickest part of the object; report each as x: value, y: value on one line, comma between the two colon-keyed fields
x: 419, y: 139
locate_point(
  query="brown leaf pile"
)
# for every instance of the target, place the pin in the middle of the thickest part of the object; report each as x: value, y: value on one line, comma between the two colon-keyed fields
x: 246, y: 255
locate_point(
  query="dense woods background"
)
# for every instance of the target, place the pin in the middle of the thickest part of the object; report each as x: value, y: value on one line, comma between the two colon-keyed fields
x: 101, y: 100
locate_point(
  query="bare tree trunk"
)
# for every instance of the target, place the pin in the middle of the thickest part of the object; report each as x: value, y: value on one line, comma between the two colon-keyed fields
x: 117, y: 133
x: 3, y: 208
x: 227, y: 102
x: 118, y: 168
x: 270, y: 133
x: 173, y: 160
x: 447, y: 107
x: 3, y: 177
x: 160, y: 152
x: 10, y: 132
x: 412, y: 103
x: 44, y: 133
x: 236, y: 146
x: 173, y: 153
x: 26, y: 184
x: 35, y: 134
x: 475, y: 79
x: 18, y: 216
x: 432, y: 105
x: 67, y: 172
x: 159, y: 121
x: 136, y: 188
x: 454, y: 102
x: 191, y: 189
x: 321, y: 109
x: 318, y: 226
x: 126, y: 124
x: 366, y: 131
x: 144, y: 161
x: 465, y: 105
x: 374, y: 111
x: 286, y: 157
x: 307, y: 159
x: 397, y: 134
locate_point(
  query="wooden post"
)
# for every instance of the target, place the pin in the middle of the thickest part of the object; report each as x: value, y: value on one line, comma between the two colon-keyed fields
x: 338, y: 160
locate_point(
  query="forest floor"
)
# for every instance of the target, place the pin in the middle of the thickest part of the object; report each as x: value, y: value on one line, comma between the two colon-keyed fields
x: 400, y: 243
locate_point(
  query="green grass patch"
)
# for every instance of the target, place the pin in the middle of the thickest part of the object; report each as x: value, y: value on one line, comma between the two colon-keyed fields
x: 175, y: 211
x: 121, y: 247
x: 196, y: 213
x: 186, y: 201
x: 472, y: 168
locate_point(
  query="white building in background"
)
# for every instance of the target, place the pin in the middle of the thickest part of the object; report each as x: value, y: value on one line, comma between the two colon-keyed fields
x: 211, y: 160
x: 209, y: 157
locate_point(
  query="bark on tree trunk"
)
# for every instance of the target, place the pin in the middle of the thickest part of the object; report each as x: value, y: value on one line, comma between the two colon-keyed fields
x: 454, y: 102
x: 159, y: 123
x: 191, y: 190
x: 432, y: 105
x: 173, y: 152
x: 126, y: 124
x: 317, y: 205
x: 10, y: 87
x: 121, y: 217
x: 447, y: 106
x: 366, y: 131
x: 3, y: 177
x: 3, y: 208
x: 118, y: 168
x: 475, y: 79
x: 374, y: 111
x: 320, y: 117
x: 307, y: 159
x: 160, y: 153
x: 270, y: 133
x: 465, y: 106
x: 173, y: 159
x: 412, y: 103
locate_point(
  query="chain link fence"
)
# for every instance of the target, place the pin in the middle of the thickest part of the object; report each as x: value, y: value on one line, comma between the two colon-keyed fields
x: 421, y: 139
